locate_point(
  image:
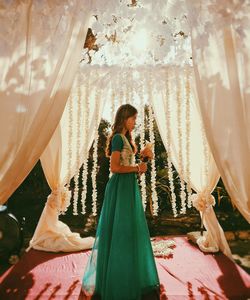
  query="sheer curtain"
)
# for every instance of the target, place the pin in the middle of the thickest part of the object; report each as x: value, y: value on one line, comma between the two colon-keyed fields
x: 204, y: 174
x: 40, y: 45
x: 52, y: 234
x: 220, y: 44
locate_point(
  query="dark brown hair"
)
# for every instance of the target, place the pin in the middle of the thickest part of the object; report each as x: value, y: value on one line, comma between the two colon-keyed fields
x: 124, y: 112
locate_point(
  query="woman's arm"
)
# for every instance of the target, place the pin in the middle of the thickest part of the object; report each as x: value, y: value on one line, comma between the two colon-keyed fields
x: 116, y: 167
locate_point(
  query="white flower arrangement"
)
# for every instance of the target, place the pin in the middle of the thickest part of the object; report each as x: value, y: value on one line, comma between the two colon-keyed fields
x: 163, y: 248
x: 59, y: 199
x: 203, y: 201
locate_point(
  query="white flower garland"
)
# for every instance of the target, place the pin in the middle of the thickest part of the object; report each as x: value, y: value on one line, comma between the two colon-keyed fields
x: 152, y: 141
x: 121, y: 96
x: 169, y: 152
x: 188, y: 131
x: 95, y: 156
x: 112, y: 106
x: 180, y: 154
x: 86, y: 104
x: 128, y: 89
x: 142, y: 145
x: 78, y: 143
x: 112, y: 118
x: 70, y: 138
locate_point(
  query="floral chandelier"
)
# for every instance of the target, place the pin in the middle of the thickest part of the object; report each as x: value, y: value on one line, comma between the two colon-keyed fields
x: 131, y: 33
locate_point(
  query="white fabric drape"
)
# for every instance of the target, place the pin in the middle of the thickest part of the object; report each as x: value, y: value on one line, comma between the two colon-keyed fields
x: 221, y: 57
x: 204, y: 174
x: 52, y: 234
x: 40, y: 45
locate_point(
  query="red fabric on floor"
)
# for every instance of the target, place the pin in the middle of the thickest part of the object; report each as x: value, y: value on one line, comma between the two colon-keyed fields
x: 189, y: 274
x: 197, y: 275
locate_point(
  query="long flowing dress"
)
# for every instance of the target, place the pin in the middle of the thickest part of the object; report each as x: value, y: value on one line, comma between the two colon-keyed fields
x: 121, y: 265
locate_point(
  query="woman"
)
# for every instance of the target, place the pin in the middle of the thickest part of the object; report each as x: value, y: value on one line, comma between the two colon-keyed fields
x: 121, y: 265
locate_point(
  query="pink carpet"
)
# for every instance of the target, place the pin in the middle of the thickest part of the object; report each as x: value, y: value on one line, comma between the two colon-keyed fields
x: 189, y: 274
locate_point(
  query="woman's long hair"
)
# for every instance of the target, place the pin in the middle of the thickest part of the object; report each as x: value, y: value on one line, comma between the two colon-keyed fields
x: 124, y: 112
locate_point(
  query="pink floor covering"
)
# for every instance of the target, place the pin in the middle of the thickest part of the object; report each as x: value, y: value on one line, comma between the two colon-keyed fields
x: 188, y: 274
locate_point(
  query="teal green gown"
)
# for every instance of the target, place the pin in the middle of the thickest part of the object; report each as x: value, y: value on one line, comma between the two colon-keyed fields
x: 121, y: 265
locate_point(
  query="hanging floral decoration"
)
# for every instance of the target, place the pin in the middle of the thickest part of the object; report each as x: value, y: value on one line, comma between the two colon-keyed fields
x: 188, y: 132
x: 86, y: 125
x: 180, y: 145
x: 137, y: 87
x: 169, y: 151
x: 142, y: 143
x: 152, y: 141
x: 78, y: 141
x: 70, y: 138
x: 95, y: 156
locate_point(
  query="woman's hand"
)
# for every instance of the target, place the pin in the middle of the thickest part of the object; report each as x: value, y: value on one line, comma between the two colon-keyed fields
x: 142, y: 167
x: 147, y: 152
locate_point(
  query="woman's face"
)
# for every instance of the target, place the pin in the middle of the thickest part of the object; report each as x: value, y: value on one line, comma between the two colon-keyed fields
x: 130, y: 123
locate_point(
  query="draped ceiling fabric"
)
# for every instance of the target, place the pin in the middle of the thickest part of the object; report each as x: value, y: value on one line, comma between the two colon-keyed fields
x: 40, y: 46
x: 52, y: 234
x: 221, y: 57
x: 199, y: 161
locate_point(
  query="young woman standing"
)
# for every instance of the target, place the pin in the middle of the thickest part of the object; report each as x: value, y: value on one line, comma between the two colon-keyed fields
x: 121, y: 265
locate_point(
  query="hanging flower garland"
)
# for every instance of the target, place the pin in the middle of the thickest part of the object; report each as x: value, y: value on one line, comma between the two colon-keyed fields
x: 152, y: 141
x: 112, y: 106
x: 153, y: 168
x: 188, y: 131
x: 142, y: 144
x: 70, y: 138
x: 129, y: 87
x: 86, y: 105
x: 169, y: 152
x: 95, y: 155
x: 112, y: 112
x: 78, y: 143
x: 121, y: 89
x: 180, y: 154
x: 127, y: 93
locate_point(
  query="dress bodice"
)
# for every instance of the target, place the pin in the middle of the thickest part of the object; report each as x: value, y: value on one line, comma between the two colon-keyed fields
x: 127, y: 157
